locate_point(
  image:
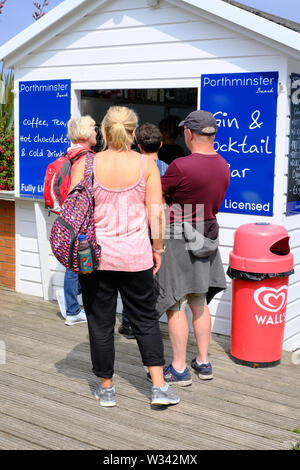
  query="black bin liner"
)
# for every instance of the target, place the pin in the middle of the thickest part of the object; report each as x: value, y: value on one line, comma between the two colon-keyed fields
x: 245, y: 276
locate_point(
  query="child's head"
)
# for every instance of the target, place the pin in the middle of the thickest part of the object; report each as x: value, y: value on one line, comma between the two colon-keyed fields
x: 148, y: 137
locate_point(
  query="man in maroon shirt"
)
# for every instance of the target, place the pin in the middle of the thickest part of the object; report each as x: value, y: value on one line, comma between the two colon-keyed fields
x: 198, y: 181
x: 202, y: 178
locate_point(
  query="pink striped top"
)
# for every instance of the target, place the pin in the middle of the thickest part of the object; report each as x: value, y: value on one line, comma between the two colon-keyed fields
x: 122, y: 227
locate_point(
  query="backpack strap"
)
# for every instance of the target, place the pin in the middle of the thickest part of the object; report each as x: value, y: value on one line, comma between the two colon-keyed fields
x: 77, y: 156
x: 89, y: 171
x: 89, y: 161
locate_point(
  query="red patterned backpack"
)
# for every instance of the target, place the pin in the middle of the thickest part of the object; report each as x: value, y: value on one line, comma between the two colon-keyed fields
x: 76, y: 217
x: 57, y: 181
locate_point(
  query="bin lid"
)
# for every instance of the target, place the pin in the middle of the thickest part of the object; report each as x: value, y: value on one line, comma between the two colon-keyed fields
x: 261, y: 248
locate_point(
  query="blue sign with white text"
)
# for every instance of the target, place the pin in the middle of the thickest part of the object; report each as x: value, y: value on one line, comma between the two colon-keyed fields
x: 293, y: 189
x: 245, y: 107
x: 44, y: 110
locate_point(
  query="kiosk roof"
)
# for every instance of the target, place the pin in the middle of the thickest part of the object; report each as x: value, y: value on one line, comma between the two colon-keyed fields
x: 278, y: 31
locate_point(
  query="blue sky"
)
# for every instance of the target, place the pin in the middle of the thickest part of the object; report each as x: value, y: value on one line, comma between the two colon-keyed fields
x: 17, y: 14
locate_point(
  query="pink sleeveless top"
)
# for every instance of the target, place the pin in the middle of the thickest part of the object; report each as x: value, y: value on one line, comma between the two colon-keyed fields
x: 122, y: 227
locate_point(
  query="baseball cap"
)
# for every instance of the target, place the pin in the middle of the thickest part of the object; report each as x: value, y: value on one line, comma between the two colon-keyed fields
x: 198, y: 120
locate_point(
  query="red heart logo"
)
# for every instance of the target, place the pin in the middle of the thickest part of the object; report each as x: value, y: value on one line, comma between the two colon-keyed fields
x: 271, y: 299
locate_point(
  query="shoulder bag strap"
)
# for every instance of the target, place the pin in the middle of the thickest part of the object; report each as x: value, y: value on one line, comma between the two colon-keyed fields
x: 89, y: 175
x: 77, y: 156
x: 88, y: 169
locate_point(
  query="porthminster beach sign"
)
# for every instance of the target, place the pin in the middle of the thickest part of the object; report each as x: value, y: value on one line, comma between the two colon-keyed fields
x: 245, y: 107
x: 45, y: 108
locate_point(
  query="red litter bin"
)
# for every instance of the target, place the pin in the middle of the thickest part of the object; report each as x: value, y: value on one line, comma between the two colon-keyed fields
x: 260, y: 265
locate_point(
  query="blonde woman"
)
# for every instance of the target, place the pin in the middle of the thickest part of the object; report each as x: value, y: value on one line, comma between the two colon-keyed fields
x: 128, y: 196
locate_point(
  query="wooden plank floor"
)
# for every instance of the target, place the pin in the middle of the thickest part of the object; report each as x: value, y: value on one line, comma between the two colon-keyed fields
x: 46, y: 387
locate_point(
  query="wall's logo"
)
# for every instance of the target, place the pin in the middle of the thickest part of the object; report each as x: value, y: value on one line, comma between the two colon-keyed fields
x: 270, y: 299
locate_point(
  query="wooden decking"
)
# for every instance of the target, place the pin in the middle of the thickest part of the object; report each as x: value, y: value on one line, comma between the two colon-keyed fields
x: 46, y: 387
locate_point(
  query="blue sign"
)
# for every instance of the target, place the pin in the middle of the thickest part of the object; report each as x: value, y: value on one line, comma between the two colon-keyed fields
x: 245, y: 106
x: 45, y: 108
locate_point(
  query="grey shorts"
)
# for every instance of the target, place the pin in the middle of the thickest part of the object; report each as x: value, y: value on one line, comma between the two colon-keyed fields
x: 194, y: 300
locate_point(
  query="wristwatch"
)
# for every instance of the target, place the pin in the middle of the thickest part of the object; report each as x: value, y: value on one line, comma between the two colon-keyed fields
x: 161, y: 251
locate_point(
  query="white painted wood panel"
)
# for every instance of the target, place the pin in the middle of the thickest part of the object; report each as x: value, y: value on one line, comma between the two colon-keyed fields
x: 292, y: 343
x: 194, y: 31
x: 296, y: 253
x: 293, y: 291
x: 226, y: 235
x: 28, y: 266
x: 136, y: 17
x: 28, y: 229
x: 295, y: 278
x: 58, y: 278
x: 120, y: 5
x: 293, y: 233
x: 28, y: 244
x: 292, y: 334
x: 30, y: 288
x: 30, y: 259
x: 221, y: 316
x: 128, y: 74
x: 225, y: 251
x: 29, y: 273
x: 148, y: 52
x: 293, y: 310
x: 25, y: 214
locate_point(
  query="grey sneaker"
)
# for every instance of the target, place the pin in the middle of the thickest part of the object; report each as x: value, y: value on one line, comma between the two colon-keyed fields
x: 107, y: 396
x: 160, y: 397
x: 74, y: 319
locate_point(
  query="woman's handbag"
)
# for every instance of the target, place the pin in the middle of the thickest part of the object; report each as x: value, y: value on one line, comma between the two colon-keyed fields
x: 75, y: 218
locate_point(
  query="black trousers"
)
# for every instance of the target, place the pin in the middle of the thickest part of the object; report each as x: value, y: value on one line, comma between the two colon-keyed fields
x: 99, y: 294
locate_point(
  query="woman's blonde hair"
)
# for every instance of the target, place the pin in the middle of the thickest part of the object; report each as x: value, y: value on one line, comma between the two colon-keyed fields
x: 118, y: 127
x: 80, y: 128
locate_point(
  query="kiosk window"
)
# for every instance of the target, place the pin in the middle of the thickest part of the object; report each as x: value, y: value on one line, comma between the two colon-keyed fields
x: 151, y: 105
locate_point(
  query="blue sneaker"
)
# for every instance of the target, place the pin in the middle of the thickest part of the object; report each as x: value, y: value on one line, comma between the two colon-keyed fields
x: 204, y: 371
x: 171, y: 376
